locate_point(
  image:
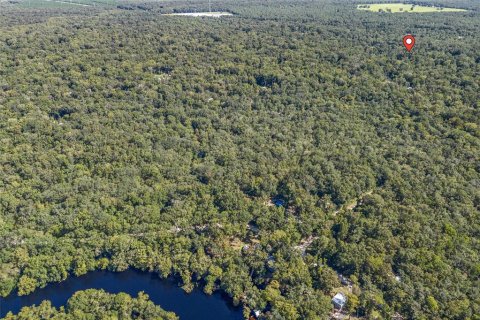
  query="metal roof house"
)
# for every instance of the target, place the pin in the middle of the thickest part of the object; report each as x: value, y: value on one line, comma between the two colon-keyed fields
x: 279, y: 202
x: 339, y: 300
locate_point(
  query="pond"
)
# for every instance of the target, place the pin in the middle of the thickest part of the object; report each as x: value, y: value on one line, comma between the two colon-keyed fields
x: 165, y: 293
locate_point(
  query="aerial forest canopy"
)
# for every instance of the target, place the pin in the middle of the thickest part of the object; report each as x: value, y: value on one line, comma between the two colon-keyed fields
x: 261, y: 154
x: 96, y: 304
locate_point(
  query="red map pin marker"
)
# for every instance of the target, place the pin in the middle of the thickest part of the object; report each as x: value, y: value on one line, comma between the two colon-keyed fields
x: 409, y: 42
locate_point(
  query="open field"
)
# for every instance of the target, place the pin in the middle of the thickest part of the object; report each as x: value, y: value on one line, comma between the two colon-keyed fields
x: 403, y: 7
x: 201, y: 14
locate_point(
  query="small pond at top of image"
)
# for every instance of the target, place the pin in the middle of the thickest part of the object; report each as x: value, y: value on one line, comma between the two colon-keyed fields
x: 165, y: 293
x: 200, y: 14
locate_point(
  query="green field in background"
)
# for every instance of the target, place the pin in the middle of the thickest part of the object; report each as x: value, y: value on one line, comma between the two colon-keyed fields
x: 402, y: 7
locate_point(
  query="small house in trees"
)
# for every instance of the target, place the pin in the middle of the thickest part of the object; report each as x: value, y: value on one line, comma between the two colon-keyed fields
x: 339, y: 300
x: 255, y: 314
x: 279, y: 201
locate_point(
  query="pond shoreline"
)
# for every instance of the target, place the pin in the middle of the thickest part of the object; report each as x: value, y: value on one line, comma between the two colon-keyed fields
x: 163, y: 292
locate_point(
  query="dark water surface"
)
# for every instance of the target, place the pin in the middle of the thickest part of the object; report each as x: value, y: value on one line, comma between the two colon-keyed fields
x: 168, y: 295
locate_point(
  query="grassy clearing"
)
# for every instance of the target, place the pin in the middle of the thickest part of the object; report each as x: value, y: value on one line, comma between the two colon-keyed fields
x: 402, y: 7
x: 201, y: 14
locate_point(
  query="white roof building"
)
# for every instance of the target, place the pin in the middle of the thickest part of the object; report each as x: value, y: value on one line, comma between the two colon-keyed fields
x: 339, y: 300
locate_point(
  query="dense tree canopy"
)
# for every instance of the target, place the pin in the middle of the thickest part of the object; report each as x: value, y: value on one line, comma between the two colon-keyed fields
x: 133, y: 139
x: 96, y: 304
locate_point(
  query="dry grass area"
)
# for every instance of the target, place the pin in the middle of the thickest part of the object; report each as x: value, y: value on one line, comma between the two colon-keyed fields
x: 403, y: 7
x: 201, y: 14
